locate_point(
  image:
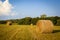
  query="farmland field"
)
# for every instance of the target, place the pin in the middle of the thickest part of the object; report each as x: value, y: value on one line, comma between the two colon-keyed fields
x: 26, y: 32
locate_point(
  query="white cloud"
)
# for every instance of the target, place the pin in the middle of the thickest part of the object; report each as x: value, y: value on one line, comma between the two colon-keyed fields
x: 5, y: 7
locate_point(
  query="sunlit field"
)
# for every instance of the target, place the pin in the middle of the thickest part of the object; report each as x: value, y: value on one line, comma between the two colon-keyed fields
x: 26, y: 32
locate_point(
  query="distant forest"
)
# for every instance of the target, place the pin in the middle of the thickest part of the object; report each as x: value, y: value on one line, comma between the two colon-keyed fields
x: 29, y: 20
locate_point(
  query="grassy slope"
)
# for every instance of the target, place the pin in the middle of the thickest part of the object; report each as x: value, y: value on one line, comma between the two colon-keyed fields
x: 26, y: 32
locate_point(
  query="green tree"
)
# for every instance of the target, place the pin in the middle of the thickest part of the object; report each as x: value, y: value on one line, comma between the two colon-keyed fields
x: 27, y: 20
x: 43, y: 16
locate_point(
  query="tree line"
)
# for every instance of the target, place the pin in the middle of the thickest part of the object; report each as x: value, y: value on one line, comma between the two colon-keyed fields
x: 29, y: 20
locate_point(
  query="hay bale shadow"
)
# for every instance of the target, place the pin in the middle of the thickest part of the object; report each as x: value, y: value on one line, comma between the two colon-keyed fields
x: 56, y: 31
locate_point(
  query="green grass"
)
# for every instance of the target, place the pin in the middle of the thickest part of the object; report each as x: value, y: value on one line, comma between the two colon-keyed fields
x: 26, y: 32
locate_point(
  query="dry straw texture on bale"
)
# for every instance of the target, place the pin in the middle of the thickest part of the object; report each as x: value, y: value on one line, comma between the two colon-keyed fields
x: 44, y: 26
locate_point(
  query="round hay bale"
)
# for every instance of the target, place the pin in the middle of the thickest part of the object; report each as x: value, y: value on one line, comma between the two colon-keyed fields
x: 9, y: 23
x: 31, y: 24
x: 44, y: 26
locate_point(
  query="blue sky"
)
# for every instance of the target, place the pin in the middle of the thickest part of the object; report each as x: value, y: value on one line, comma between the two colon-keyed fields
x: 33, y: 8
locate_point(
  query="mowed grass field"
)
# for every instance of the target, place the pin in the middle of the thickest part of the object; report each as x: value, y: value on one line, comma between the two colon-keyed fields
x: 26, y: 32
